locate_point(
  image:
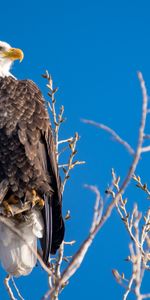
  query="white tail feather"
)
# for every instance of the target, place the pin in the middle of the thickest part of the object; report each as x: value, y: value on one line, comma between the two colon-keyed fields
x: 16, y: 257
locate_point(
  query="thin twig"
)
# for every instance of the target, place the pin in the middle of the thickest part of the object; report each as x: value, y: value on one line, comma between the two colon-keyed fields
x: 75, y: 163
x: 71, y: 164
x: 113, y: 134
x: 17, y: 290
x: 99, y: 205
x: 57, y: 119
x: 8, y: 288
x: 147, y: 136
x: 65, y: 141
x: 121, y: 209
x: 128, y: 288
x: 146, y: 149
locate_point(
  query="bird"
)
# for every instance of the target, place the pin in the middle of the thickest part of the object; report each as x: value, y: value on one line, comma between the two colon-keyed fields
x: 28, y: 170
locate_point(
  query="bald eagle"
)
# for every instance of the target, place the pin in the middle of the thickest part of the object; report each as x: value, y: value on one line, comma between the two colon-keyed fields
x: 28, y: 164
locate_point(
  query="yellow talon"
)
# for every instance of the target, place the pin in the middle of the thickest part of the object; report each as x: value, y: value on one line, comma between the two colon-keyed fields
x: 34, y: 194
x: 37, y: 200
x: 7, y: 208
x: 41, y: 203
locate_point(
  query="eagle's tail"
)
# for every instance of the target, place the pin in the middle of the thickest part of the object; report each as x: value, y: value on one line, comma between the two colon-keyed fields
x: 15, y: 255
x: 53, y: 225
x: 52, y: 211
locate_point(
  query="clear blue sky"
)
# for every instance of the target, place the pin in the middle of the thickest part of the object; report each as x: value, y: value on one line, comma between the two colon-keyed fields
x: 93, y: 49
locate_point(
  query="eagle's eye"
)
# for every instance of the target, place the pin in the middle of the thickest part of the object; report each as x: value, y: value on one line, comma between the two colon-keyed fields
x: 1, y: 48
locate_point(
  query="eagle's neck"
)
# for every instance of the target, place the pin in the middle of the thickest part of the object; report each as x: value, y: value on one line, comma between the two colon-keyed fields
x: 5, y: 66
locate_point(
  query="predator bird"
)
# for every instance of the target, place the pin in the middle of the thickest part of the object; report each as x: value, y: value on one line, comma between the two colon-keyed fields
x: 28, y: 170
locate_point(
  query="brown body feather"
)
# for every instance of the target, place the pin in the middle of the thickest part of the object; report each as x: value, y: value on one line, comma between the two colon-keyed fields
x: 27, y: 153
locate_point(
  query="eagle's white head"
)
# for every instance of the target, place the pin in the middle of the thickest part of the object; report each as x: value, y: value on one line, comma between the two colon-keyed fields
x: 7, y: 57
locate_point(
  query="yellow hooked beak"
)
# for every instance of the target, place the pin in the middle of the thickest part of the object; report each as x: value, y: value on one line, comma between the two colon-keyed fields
x: 14, y: 54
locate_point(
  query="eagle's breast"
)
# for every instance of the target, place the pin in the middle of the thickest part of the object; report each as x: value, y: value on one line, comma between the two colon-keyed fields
x: 23, y: 119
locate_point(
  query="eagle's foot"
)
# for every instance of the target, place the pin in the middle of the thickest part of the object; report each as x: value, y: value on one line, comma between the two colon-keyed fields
x: 36, y: 200
x: 8, y: 205
x: 7, y: 209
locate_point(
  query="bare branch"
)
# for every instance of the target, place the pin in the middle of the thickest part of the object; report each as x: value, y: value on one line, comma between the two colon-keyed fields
x: 17, y: 290
x: 141, y: 185
x: 74, y: 164
x: 141, y: 132
x: 70, y: 164
x: 128, y: 288
x: 115, y: 136
x: 65, y: 141
x: 98, y: 209
x: 57, y: 119
x: 8, y: 288
x: 146, y: 149
x: 147, y: 136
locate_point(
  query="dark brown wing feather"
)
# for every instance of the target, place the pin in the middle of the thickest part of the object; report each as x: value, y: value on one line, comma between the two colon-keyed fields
x: 27, y: 153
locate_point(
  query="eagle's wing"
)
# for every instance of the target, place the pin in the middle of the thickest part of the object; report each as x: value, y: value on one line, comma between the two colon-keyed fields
x: 52, y: 212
